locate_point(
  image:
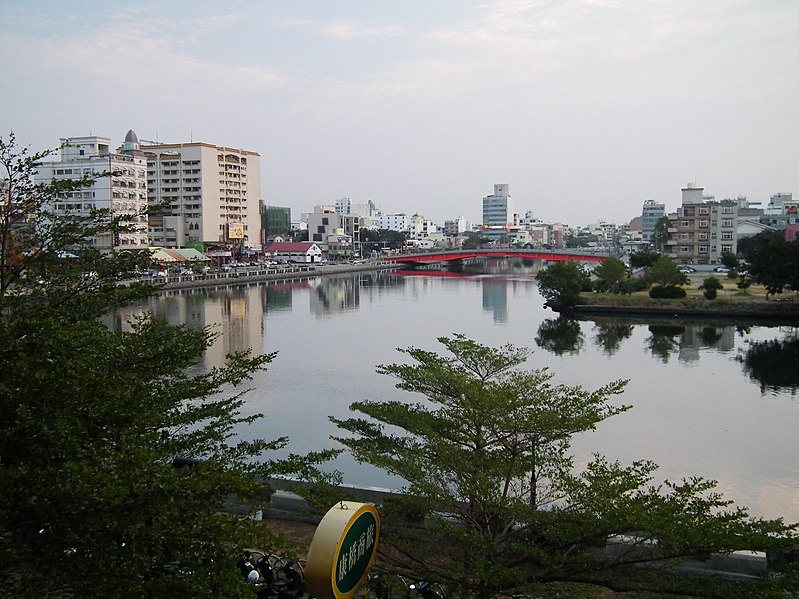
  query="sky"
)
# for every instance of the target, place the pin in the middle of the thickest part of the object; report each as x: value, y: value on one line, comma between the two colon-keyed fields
x: 585, y: 108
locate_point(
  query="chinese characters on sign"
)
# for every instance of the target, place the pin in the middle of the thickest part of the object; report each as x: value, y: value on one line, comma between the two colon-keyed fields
x: 342, y: 551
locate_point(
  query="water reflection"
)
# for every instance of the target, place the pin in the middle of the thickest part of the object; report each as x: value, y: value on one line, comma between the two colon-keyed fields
x: 610, y: 335
x: 560, y: 336
x: 773, y: 363
x: 237, y: 314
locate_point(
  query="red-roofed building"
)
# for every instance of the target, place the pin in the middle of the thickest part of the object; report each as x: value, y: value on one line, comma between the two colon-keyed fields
x: 304, y: 252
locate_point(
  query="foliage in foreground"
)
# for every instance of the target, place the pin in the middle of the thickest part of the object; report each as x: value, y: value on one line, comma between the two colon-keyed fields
x: 92, y: 419
x: 493, y: 505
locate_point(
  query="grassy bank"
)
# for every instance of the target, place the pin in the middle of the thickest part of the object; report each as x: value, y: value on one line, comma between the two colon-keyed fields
x: 731, y: 302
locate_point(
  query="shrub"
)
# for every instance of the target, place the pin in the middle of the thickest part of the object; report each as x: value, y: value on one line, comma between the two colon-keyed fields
x: 666, y: 292
x: 710, y: 287
x: 633, y: 285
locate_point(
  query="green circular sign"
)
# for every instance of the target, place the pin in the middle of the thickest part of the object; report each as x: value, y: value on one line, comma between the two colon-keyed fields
x: 355, y: 553
x: 343, y: 549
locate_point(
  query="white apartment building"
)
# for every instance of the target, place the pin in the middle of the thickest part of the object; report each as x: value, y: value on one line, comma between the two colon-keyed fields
x: 211, y: 194
x: 394, y: 222
x: 345, y: 205
x: 604, y: 231
x: 456, y: 227
x: 122, y: 191
x: 421, y: 228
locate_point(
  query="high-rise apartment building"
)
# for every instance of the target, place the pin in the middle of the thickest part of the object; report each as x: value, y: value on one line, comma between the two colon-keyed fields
x: 122, y: 191
x: 208, y: 196
x: 702, y: 228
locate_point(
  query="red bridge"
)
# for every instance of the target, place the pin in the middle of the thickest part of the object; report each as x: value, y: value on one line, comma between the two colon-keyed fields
x: 452, y: 255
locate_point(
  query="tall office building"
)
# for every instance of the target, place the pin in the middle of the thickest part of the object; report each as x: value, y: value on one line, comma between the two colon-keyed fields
x: 497, y: 211
x: 651, y: 213
x: 209, y: 196
x: 122, y: 191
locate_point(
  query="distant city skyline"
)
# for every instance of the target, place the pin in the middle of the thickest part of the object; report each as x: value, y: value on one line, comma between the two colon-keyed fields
x: 585, y: 108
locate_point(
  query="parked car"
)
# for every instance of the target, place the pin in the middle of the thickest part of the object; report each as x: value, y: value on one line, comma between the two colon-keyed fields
x: 686, y: 270
x: 721, y: 269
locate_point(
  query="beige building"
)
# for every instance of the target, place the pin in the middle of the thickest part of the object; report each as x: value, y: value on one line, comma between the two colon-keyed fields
x: 123, y: 190
x: 210, y: 196
x: 702, y: 229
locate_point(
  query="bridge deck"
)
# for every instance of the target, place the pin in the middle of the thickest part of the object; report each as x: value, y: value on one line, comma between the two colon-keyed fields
x: 453, y: 255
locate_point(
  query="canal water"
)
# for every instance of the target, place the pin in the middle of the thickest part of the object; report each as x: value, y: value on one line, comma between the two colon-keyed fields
x: 717, y: 400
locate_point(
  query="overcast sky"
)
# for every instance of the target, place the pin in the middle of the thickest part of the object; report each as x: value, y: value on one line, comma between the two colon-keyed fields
x: 584, y: 107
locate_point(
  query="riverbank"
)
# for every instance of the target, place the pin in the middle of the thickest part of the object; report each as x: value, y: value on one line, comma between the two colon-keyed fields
x: 731, y: 304
x: 245, y: 276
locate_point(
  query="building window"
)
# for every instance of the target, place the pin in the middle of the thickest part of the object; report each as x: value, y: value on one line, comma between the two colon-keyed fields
x: 726, y: 222
x: 726, y: 235
x: 703, y: 249
x: 703, y: 210
x: 685, y: 249
x: 703, y: 237
x: 703, y: 223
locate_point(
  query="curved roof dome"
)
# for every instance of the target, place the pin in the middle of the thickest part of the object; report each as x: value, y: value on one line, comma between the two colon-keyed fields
x: 131, y: 137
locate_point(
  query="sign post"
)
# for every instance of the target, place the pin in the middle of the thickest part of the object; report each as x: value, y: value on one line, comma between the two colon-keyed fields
x: 342, y: 551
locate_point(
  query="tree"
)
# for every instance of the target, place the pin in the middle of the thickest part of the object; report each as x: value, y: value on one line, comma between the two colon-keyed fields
x: 665, y: 272
x: 710, y: 287
x: 581, y: 241
x: 383, y: 238
x: 730, y: 260
x: 643, y: 259
x: 772, y: 262
x: 660, y: 235
x: 489, y: 472
x: 611, y: 272
x: 560, y: 284
x: 92, y: 421
x: 474, y: 242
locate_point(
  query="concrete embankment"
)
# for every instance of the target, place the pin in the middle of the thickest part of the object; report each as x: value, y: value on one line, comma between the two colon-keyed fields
x: 771, y: 312
x: 247, y: 276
